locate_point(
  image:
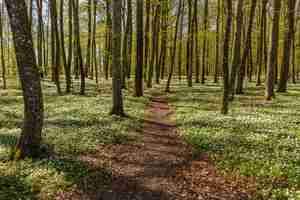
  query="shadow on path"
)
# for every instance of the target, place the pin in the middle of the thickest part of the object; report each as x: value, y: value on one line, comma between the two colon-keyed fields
x: 157, y: 166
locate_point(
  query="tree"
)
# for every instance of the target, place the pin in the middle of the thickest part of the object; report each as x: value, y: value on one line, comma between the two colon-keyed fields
x: 224, y: 109
x: 147, y: 37
x: 217, y: 42
x: 247, y: 49
x: 174, y: 47
x: 288, y: 40
x: 127, y: 44
x: 139, y: 49
x: 204, y: 41
x: 117, y: 108
x: 260, y: 49
x: 89, y: 41
x: 55, y: 45
x: 237, y: 48
x: 269, y: 93
x: 154, y: 52
x: 181, y: 42
x: 2, y: 48
x: 78, y: 57
x: 30, y: 140
x: 196, y: 29
x: 189, y: 51
x: 107, y: 39
x: 70, y: 48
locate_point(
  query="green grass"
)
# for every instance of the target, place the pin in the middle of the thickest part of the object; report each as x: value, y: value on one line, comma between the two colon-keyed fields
x: 257, y: 139
x: 74, y: 125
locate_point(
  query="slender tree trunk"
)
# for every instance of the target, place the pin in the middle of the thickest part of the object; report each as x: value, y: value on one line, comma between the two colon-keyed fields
x: 173, y: 56
x: 224, y: 109
x: 189, y: 67
x: 62, y: 36
x: 107, y: 39
x: 94, y: 67
x: 273, y: 50
x: 117, y: 108
x: 139, y: 49
x: 70, y: 48
x: 237, y: 48
x: 40, y: 35
x: 181, y: 42
x: 78, y: 46
x: 293, y: 61
x: 246, y: 52
x: 127, y: 45
x: 147, y: 37
x: 196, y: 25
x: 56, y: 45
x: 155, y: 28
x: 2, y: 48
x: 89, y: 41
x: 217, y: 42
x: 261, y: 41
x: 288, y: 39
x: 204, y: 59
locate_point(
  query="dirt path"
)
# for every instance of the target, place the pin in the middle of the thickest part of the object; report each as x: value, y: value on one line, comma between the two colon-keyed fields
x: 159, y: 166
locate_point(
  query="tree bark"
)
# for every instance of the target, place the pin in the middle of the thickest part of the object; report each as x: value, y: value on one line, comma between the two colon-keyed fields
x: 246, y: 52
x: 225, y: 102
x: 173, y: 56
x: 117, y: 108
x: 237, y: 48
x: 288, y: 39
x: 139, y: 49
x: 30, y: 140
x: 269, y: 93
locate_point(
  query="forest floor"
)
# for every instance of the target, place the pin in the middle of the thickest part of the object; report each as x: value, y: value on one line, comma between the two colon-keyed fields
x: 172, y: 146
x: 160, y: 165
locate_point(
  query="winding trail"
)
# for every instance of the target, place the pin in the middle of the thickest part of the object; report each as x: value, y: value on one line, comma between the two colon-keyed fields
x: 158, y: 166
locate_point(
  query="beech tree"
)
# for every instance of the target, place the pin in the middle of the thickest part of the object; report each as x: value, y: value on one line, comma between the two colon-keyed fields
x: 30, y: 140
x: 270, y: 80
x: 117, y: 108
x: 288, y: 41
x: 227, y: 36
x: 139, y: 49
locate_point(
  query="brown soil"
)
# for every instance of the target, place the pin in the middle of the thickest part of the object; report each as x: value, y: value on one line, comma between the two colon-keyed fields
x: 158, y: 166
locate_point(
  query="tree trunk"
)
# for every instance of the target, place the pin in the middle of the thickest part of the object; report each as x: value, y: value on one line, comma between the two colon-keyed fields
x: 217, y: 42
x: 204, y: 41
x: 147, y: 37
x: 189, y: 67
x: 289, y: 36
x: 117, y: 108
x: 197, y: 52
x: 56, y: 45
x: 173, y: 56
x: 89, y: 41
x: 246, y: 52
x: 107, y: 39
x: 139, y: 49
x: 127, y: 45
x: 273, y: 51
x: 261, y: 42
x: 224, y: 109
x: 237, y: 48
x: 181, y: 42
x: 30, y: 140
x: 78, y: 47
x: 70, y: 49
x: 2, y: 48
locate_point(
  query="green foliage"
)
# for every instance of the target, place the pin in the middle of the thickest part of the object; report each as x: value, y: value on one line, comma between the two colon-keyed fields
x: 74, y: 125
x: 258, y: 139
